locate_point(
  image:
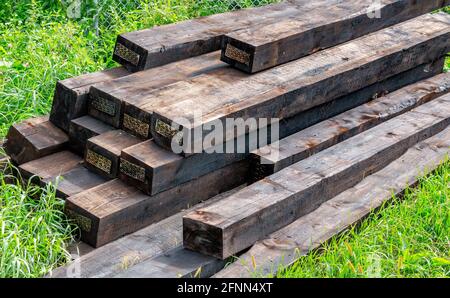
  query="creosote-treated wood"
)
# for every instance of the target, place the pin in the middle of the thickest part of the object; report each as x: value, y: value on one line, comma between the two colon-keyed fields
x: 108, y: 100
x: 84, y: 128
x: 237, y: 222
x: 34, y: 138
x: 272, y: 158
x: 311, y: 231
x: 154, y: 169
x: 149, y: 242
x: 64, y: 170
x: 289, y: 89
x: 102, y: 154
x: 71, y: 95
x: 161, y: 45
x: 114, y: 209
x: 260, y: 47
x: 132, y: 256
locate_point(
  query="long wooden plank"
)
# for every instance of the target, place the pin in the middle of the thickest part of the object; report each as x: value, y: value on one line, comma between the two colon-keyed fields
x: 261, y: 47
x: 103, y: 152
x: 284, y: 246
x: 84, y: 128
x: 114, y: 209
x: 64, y: 170
x: 137, y: 112
x: 71, y: 95
x: 161, y: 45
x: 297, y: 86
x: 107, y: 100
x: 273, y: 158
x: 153, y: 169
x: 237, y: 222
x: 119, y: 255
x: 34, y: 138
x: 308, y: 232
x: 131, y: 256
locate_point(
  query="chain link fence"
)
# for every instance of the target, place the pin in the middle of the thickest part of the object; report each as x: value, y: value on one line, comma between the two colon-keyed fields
x: 105, y: 14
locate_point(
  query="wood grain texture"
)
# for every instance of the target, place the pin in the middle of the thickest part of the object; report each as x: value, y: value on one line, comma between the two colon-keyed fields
x: 161, y: 45
x: 116, y: 257
x: 154, y: 169
x: 260, y: 47
x: 308, y: 232
x: 237, y: 222
x: 102, y: 154
x: 275, y: 157
x: 161, y: 169
x: 64, y: 170
x: 297, y: 86
x: 34, y: 138
x: 311, y: 231
x: 107, y: 100
x: 114, y: 209
x: 149, y: 252
x: 71, y: 95
x: 84, y: 128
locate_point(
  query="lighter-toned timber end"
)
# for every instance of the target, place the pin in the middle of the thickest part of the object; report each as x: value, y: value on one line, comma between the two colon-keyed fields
x: 237, y: 54
x: 103, y: 105
x: 126, y: 54
x: 136, y: 126
x: 134, y: 171
x: 99, y: 161
x: 168, y: 132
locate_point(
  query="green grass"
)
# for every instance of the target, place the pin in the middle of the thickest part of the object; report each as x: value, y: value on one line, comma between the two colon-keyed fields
x: 34, y: 232
x: 39, y: 46
x: 408, y: 237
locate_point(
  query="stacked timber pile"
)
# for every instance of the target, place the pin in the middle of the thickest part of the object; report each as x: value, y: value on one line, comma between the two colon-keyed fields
x: 354, y: 94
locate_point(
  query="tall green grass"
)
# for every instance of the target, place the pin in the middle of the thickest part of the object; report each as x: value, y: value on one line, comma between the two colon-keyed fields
x: 408, y: 237
x: 34, y: 233
x: 40, y: 44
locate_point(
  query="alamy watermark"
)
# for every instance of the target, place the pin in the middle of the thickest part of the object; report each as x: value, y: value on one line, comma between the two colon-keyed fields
x: 228, y: 135
x: 374, y: 10
x: 74, y: 7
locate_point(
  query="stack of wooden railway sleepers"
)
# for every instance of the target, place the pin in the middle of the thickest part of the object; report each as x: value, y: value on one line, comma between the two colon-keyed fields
x: 356, y: 92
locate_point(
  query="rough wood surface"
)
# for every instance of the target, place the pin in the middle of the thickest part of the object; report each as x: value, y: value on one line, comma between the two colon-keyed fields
x: 114, y: 209
x: 286, y: 245
x: 161, y: 169
x: 161, y: 45
x: 71, y: 95
x: 261, y: 47
x: 107, y: 100
x: 151, y: 241
x: 273, y: 158
x: 149, y: 252
x: 308, y: 232
x: 237, y: 222
x: 84, y: 128
x: 34, y: 138
x: 154, y: 169
x: 297, y: 86
x: 102, y: 154
x: 64, y: 170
